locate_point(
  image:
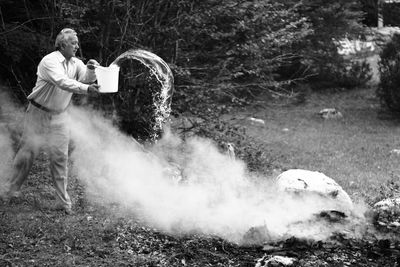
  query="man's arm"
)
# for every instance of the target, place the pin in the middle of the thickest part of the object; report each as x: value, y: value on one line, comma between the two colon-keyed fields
x: 86, y: 74
x: 51, y: 70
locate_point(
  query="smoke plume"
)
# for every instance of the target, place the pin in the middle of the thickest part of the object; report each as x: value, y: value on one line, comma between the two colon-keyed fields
x: 204, y: 191
x: 180, y: 186
x: 10, y: 126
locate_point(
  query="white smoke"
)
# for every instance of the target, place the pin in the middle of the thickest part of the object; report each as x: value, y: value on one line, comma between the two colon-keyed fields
x: 5, y: 159
x: 216, y: 194
x: 203, y: 191
x: 10, y: 123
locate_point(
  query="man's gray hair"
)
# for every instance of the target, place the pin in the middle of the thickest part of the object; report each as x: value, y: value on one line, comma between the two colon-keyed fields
x: 62, y: 37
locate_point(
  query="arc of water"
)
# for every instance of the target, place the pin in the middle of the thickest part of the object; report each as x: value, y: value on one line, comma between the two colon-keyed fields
x: 160, y: 69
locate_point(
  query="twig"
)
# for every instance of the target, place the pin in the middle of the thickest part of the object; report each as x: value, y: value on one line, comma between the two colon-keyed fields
x: 22, y: 24
x: 18, y: 81
x: 3, y: 24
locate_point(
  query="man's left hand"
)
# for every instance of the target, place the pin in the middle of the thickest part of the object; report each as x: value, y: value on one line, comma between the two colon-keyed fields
x: 92, y: 63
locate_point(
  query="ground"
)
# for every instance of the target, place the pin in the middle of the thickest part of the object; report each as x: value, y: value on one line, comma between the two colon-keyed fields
x: 356, y: 151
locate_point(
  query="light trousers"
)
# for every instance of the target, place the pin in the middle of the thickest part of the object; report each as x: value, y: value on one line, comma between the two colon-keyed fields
x: 43, y: 130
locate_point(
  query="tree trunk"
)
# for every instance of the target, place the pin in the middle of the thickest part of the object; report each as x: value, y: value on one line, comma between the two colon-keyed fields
x: 380, y: 15
x: 108, y: 7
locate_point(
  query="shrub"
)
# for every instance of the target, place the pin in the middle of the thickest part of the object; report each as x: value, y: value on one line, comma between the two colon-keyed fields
x: 388, y: 90
x: 332, y: 20
x: 390, y: 13
x: 344, y: 73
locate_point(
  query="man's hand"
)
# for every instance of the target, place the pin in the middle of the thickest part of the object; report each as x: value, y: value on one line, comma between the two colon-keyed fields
x: 92, y: 63
x: 93, y: 89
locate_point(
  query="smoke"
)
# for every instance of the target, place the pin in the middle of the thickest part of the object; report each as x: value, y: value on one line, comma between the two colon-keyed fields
x: 179, y: 186
x: 5, y: 158
x: 204, y: 191
x: 10, y: 116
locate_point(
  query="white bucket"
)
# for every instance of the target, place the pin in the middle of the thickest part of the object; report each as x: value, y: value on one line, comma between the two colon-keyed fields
x: 107, y: 78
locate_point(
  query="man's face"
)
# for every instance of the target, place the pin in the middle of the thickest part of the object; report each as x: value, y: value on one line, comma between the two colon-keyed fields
x: 70, y: 46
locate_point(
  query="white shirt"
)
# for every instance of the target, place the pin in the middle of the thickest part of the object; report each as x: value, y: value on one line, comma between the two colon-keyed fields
x: 58, y: 79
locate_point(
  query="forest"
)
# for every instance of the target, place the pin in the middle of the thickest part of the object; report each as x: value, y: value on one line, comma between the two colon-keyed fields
x: 247, y: 46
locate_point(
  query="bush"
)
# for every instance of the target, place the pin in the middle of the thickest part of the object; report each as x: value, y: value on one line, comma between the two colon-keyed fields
x: 390, y: 13
x: 388, y: 90
x: 343, y: 73
x: 332, y: 20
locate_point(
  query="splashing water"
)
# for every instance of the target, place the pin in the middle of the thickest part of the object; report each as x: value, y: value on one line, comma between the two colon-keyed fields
x: 160, y: 93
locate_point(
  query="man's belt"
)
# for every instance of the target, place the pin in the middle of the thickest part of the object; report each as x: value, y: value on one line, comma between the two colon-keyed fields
x: 54, y: 112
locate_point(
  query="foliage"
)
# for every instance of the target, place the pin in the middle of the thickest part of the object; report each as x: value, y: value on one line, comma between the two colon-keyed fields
x: 344, y: 73
x: 370, y: 7
x: 390, y: 14
x: 331, y: 20
x: 389, y: 68
x: 247, y: 40
x: 242, y: 49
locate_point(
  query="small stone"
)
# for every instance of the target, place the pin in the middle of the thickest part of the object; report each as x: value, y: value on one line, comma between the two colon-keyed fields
x: 255, y: 120
x: 330, y: 113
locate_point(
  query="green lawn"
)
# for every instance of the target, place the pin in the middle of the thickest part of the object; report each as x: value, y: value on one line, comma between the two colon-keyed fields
x: 354, y: 150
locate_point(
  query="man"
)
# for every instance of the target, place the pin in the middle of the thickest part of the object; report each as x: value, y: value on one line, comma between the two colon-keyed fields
x: 59, y: 75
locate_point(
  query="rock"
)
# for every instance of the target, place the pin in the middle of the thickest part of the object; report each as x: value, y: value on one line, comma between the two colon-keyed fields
x: 328, y: 194
x: 275, y: 261
x: 330, y: 113
x: 387, y: 215
x: 257, y: 121
x: 395, y: 152
x: 388, y: 204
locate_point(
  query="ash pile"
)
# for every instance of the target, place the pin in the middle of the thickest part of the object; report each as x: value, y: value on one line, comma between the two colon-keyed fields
x: 314, y: 207
x: 335, y: 231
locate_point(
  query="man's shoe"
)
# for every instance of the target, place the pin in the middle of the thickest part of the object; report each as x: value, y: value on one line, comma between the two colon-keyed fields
x: 68, y: 211
x: 61, y: 207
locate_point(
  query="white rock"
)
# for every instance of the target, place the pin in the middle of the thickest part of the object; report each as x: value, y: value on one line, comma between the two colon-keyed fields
x: 387, y: 214
x: 328, y: 194
x: 389, y: 203
x: 395, y: 151
x: 275, y: 261
x: 330, y: 113
x: 255, y: 120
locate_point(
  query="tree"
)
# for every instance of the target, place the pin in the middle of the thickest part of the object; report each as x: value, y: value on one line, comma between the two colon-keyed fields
x: 332, y: 20
x: 251, y: 44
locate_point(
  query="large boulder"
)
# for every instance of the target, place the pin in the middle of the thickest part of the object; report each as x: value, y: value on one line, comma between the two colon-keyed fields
x: 306, y: 205
x: 325, y: 193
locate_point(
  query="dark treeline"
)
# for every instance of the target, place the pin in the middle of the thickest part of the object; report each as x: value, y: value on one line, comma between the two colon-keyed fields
x: 262, y: 44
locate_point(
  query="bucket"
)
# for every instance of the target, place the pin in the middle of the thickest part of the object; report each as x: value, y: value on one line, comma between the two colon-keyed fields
x: 107, y: 78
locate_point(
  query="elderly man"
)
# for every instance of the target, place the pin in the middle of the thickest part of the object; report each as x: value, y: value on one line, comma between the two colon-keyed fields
x: 59, y: 75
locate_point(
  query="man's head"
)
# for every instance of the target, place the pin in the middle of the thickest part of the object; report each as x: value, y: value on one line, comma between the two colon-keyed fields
x: 67, y: 43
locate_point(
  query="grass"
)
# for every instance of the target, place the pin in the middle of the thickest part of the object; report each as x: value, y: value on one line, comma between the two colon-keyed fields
x: 354, y: 150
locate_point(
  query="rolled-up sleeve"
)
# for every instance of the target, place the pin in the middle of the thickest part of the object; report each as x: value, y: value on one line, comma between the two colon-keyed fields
x: 52, y: 71
x: 85, y: 75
